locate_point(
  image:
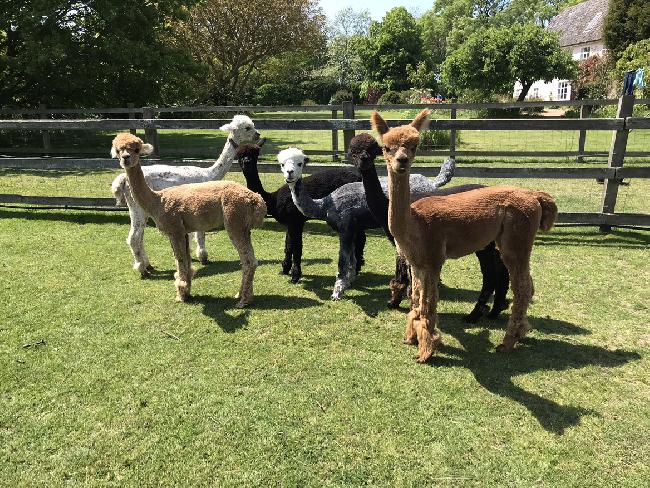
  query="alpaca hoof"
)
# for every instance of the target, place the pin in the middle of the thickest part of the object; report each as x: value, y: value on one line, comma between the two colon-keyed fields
x: 243, y: 304
x: 410, y: 342
x: 480, y: 309
x: 182, y: 298
x: 335, y: 297
x: 204, y: 260
x: 145, y: 274
x: 497, y: 308
x: 392, y: 304
x: 505, y: 348
x: 422, y: 359
x: 149, y: 267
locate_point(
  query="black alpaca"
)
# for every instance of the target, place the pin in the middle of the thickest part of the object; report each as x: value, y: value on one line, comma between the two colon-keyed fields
x: 363, y: 151
x: 280, y: 205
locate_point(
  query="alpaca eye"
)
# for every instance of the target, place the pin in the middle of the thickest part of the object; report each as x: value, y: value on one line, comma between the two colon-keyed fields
x: 300, y: 165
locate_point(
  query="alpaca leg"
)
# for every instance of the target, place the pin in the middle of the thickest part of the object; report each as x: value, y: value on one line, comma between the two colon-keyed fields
x: 181, y: 247
x: 135, y: 240
x: 288, y: 251
x: 359, y: 246
x: 399, y: 284
x: 296, y: 250
x: 429, y: 337
x: 489, y: 273
x: 516, y: 245
x: 346, y: 251
x: 201, y: 251
x: 241, y: 239
x: 411, y: 335
x: 501, y: 303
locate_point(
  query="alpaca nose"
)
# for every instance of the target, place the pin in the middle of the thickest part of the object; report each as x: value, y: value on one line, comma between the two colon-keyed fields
x: 402, y: 160
x: 290, y: 172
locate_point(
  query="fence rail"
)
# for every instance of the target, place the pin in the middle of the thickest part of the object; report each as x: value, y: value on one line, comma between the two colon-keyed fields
x: 612, y: 174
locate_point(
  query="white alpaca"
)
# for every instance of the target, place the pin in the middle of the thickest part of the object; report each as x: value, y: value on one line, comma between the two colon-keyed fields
x: 160, y: 176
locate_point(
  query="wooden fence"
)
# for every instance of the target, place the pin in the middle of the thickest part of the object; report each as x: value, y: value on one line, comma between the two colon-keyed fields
x: 612, y: 174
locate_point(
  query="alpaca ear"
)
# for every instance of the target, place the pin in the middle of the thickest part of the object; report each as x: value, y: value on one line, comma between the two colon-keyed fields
x: 261, y: 142
x: 228, y: 127
x: 146, y: 149
x: 378, y: 123
x: 113, y: 152
x: 305, y: 161
x: 421, y: 121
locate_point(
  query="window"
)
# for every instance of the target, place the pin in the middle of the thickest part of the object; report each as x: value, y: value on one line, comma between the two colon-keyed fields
x: 563, y: 90
x: 585, y: 52
x: 535, y: 93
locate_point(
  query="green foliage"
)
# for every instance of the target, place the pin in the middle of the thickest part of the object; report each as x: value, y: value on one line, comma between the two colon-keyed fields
x: 391, y: 46
x: 341, y: 96
x: 627, y: 22
x: 90, y: 54
x: 436, y: 139
x: 423, y: 75
x: 391, y: 97
x: 636, y: 56
x: 493, y: 59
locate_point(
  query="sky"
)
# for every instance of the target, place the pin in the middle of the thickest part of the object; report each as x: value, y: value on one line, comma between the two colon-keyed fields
x: 377, y: 8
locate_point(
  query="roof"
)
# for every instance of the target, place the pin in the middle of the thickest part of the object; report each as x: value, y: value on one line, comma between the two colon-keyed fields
x: 581, y: 23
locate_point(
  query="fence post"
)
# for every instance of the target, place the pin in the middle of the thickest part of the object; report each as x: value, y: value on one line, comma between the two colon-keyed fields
x: 335, y: 138
x: 47, y: 141
x: 131, y: 116
x: 585, y: 113
x: 151, y: 134
x: 348, y: 113
x: 616, y: 157
x: 452, y: 135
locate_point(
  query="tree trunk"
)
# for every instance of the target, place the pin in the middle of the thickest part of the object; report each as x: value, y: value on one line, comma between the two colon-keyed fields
x: 525, y: 87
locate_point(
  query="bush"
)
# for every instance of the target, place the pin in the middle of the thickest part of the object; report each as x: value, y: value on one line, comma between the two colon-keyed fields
x: 391, y: 97
x: 341, y: 96
x: 437, y: 138
x: 636, y: 56
x: 277, y: 94
x: 594, y: 81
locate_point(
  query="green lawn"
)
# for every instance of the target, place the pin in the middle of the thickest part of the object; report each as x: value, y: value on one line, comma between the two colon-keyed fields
x: 105, y: 380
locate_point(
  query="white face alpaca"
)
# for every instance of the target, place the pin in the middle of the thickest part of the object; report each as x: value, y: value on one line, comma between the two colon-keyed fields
x: 128, y: 149
x: 292, y: 163
x: 242, y: 129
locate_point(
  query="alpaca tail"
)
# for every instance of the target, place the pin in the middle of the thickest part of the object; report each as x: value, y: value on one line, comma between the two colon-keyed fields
x: 446, y: 172
x: 118, y: 188
x: 259, y: 212
x: 549, y: 210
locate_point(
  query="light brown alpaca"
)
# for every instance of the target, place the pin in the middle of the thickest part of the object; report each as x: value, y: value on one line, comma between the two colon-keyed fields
x: 194, y: 207
x: 436, y: 228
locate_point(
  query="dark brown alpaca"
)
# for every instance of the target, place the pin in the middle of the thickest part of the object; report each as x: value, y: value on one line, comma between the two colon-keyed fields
x: 436, y: 228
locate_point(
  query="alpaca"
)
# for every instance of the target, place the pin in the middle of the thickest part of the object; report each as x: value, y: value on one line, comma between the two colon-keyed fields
x: 436, y: 228
x: 345, y: 209
x: 281, y: 207
x: 159, y: 176
x: 363, y: 151
x: 195, y: 207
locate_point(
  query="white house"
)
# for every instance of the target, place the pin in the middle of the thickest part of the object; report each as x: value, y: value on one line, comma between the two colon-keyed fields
x: 581, y: 32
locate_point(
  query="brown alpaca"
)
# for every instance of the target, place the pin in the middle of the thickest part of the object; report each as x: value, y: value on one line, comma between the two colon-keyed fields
x: 194, y: 207
x: 436, y: 228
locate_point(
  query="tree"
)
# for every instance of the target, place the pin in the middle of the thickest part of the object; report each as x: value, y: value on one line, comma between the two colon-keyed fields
x: 391, y: 46
x: 493, y: 59
x: 233, y: 39
x: 104, y: 52
x: 627, y: 22
x: 594, y: 80
x: 636, y: 56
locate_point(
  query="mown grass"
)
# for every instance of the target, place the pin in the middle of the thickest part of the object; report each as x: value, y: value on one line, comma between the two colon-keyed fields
x: 104, y: 380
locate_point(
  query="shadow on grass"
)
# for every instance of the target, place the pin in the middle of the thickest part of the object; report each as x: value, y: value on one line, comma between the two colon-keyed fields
x: 221, y: 267
x: 74, y: 217
x: 624, y: 239
x: 495, y: 371
x: 223, y: 311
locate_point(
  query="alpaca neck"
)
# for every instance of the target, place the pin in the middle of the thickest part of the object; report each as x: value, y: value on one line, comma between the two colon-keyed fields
x: 399, y: 206
x: 219, y: 169
x: 306, y: 204
x: 254, y: 183
x: 145, y: 196
x: 377, y: 200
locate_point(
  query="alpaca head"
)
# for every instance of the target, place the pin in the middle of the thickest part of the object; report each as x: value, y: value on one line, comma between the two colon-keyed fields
x: 363, y: 151
x: 241, y: 129
x: 292, y: 163
x: 248, y: 154
x: 128, y: 149
x: 400, y: 143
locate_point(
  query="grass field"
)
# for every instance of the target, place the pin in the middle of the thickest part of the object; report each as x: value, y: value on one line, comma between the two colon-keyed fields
x: 104, y: 380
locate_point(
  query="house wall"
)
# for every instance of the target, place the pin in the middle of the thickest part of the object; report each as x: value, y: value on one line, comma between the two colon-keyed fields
x: 551, y: 91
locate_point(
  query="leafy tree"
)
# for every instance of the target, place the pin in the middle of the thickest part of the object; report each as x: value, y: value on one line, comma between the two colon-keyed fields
x: 627, y: 22
x: 636, y: 56
x: 493, y: 59
x: 95, y: 53
x: 594, y: 80
x: 233, y: 39
x: 391, y: 46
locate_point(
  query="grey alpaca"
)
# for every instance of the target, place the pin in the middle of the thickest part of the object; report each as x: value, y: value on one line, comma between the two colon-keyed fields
x: 346, y: 209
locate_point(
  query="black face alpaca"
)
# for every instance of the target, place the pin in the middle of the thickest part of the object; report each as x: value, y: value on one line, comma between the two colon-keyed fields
x: 363, y: 151
x: 248, y: 154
